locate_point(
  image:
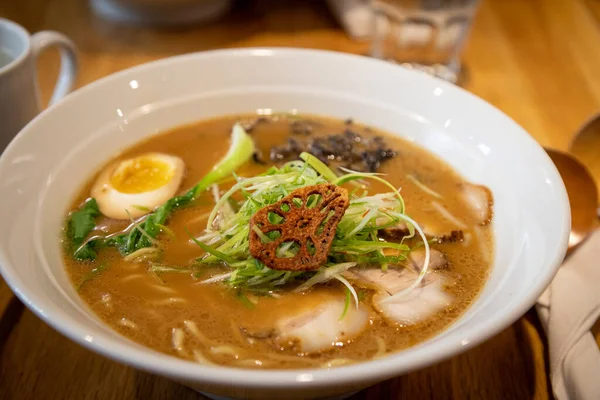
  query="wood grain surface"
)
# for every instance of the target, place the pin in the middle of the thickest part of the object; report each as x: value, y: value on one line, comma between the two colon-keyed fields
x: 536, y: 60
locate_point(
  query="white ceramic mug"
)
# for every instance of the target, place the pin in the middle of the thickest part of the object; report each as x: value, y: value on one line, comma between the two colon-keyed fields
x: 19, y: 93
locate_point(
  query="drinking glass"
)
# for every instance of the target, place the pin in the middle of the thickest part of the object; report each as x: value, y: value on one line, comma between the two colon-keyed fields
x: 427, y: 35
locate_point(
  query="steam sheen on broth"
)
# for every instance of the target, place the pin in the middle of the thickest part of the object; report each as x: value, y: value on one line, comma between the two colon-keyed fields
x: 159, y: 299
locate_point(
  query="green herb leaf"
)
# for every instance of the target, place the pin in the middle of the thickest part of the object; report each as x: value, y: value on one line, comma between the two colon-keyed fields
x: 82, y: 222
x: 86, y: 252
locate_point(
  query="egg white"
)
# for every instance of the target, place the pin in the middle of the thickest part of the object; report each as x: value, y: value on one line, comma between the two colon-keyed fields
x: 118, y: 205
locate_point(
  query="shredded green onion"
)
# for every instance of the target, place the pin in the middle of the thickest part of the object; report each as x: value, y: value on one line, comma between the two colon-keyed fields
x: 240, y: 150
x: 264, y: 238
x: 356, y: 240
x: 92, y: 274
x: 325, y: 274
x: 346, y: 303
x: 166, y: 230
x: 349, y: 287
x: 212, y: 251
x: 319, y: 166
x: 158, y: 268
x: 423, y: 187
x: 141, y: 208
x: 245, y: 300
x: 143, y: 254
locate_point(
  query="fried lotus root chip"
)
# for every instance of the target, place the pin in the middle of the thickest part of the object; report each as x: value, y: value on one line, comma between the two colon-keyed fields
x: 300, y: 228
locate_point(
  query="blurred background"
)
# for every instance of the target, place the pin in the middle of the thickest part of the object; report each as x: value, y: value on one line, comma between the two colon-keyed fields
x: 534, y: 59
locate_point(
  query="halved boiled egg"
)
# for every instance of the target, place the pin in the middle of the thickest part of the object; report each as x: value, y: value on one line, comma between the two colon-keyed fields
x: 137, y: 185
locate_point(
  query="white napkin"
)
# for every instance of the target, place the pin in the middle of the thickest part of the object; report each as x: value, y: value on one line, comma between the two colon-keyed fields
x: 568, y: 309
x: 356, y: 16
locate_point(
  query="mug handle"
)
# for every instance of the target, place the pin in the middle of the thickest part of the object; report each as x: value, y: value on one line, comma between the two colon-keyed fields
x: 69, y: 61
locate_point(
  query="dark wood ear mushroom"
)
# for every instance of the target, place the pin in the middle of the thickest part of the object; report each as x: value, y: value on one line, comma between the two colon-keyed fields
x: 300, y: 228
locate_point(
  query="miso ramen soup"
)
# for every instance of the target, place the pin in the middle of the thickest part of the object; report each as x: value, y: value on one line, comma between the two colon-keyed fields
x: 278, y: 242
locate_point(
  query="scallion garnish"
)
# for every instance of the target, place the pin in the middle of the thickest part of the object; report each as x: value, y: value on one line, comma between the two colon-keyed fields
x: 92, y: 274
x: 356, y: 240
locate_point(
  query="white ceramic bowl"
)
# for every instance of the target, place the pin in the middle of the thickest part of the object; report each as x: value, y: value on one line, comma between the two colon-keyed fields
x: 49, y: 160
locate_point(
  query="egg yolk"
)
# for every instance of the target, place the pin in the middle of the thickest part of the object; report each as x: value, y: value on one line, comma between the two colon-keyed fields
x: 141, y: 174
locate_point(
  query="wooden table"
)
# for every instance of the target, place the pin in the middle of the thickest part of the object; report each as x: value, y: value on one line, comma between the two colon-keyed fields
x: 537, y: 60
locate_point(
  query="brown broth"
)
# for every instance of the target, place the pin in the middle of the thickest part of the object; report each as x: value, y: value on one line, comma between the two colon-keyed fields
x: 146, y: 308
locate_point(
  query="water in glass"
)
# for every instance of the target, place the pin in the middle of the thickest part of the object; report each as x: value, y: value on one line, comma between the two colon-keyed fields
x: 423, y: 34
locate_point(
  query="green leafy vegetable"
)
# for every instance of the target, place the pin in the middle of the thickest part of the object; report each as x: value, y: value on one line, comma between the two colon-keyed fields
x: 87, y: 252
x: 79, y: 226
x: 142, y: 234
x: 83, y: 221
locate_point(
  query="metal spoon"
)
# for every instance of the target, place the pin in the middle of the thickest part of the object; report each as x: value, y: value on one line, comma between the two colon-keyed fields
x: 579, y: 181
x: 583, y: 195
x: 585, y: 146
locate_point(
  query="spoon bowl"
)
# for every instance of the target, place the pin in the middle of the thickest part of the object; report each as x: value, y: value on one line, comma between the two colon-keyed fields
x: 582, y: 192
x: 586, y: 147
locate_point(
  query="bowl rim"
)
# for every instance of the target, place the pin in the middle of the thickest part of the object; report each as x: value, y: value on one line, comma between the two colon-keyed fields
x: 367, y: 371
